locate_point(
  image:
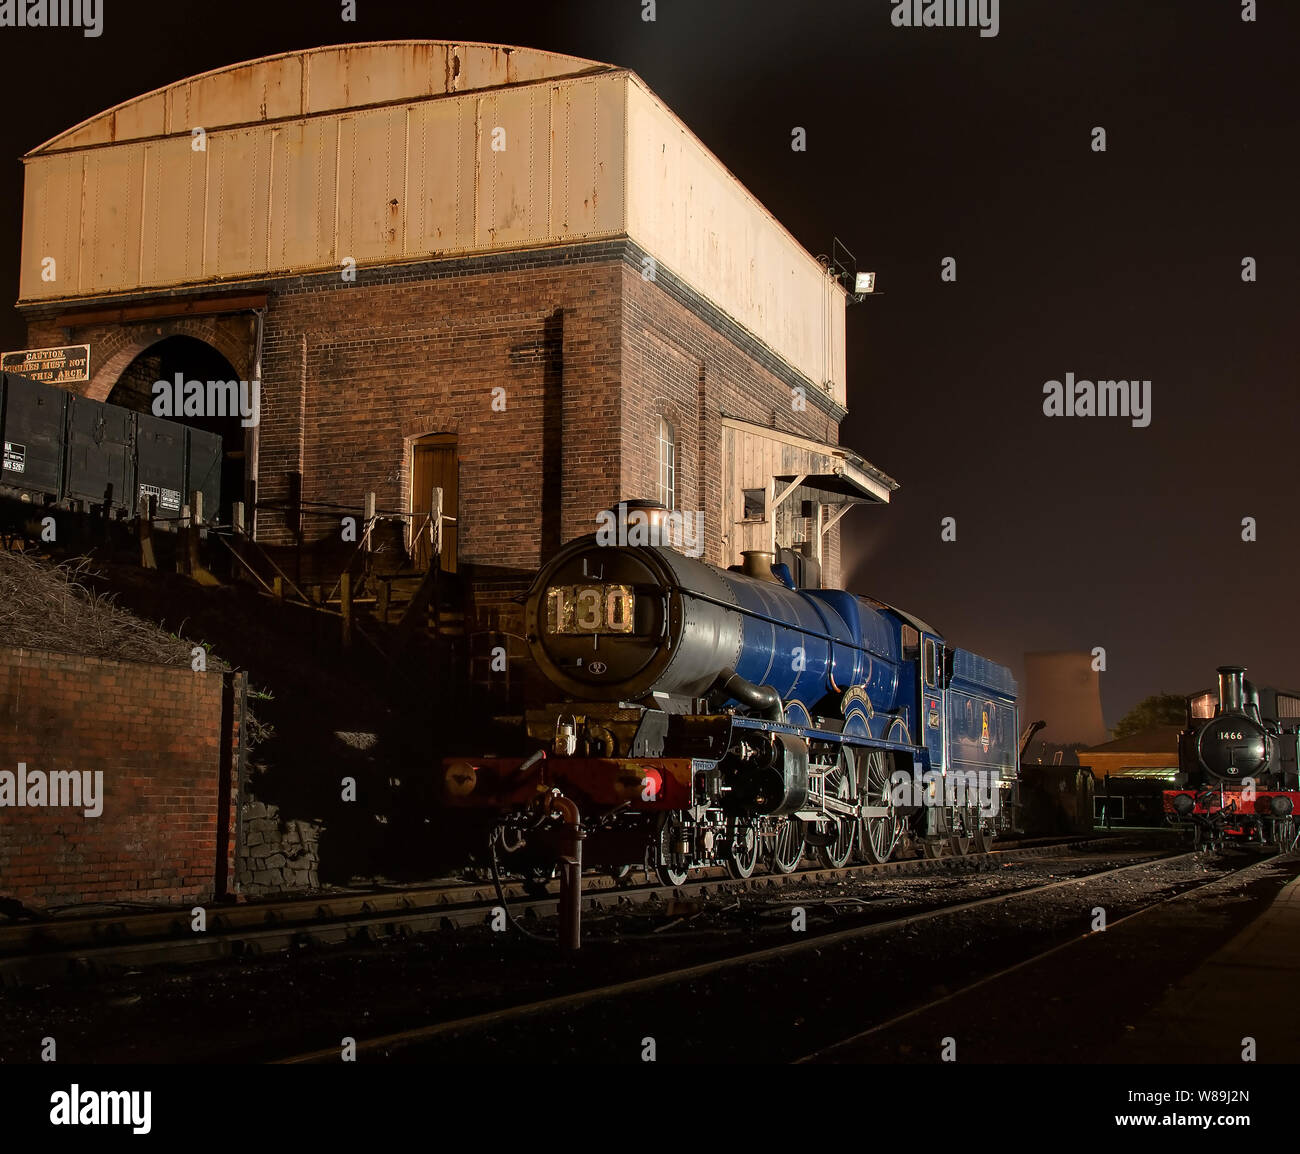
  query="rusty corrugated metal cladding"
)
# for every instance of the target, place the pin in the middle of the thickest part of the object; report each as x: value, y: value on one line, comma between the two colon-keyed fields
x: 402, y: 151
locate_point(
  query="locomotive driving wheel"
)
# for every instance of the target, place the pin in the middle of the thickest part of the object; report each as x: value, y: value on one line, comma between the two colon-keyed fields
x: 745, y: 846
x: 877, y: 836
x: 787, y: 845
x: 840, y: 784
x: 671, y: 866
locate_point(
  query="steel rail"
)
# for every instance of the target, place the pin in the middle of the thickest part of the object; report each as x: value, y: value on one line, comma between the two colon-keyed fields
x: 846, y: 1043
x: 252, y: 930
x: 700, y: 970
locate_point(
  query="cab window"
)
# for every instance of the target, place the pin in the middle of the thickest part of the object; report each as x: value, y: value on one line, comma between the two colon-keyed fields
x: 911, y: 640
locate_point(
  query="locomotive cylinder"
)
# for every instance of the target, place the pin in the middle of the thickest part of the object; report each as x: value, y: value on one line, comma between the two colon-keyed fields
x: 779, y: 783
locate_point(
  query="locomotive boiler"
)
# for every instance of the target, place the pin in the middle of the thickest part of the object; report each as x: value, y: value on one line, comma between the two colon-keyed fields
x: 1237, y: 756
x: 704, y: 715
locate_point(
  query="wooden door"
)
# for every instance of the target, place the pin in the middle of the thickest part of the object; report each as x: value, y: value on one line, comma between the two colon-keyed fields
x: 434, y: 464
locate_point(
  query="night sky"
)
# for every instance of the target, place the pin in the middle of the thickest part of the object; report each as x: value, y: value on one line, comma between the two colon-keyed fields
x: 925, y: 143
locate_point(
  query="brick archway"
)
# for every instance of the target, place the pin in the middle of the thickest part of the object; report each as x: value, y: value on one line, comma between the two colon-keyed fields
x: 114, y: 347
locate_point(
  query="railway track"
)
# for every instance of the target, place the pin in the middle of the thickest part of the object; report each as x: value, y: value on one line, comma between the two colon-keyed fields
x: 46, y: 951
x: 389, y: 1044
x: 846, y: 1048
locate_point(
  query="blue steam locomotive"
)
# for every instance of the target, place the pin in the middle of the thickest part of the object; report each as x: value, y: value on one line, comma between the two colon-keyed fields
x: 725, y: 716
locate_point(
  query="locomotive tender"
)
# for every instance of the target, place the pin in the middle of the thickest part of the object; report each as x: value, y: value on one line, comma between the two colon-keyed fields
x: 724, y: 716
x: 1237, y: 759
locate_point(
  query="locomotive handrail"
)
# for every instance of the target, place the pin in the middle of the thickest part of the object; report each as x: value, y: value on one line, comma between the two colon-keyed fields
x: 829, y: 735
x: 776, y: 621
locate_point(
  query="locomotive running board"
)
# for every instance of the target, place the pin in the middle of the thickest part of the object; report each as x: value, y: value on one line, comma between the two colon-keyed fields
x: 831, y: 736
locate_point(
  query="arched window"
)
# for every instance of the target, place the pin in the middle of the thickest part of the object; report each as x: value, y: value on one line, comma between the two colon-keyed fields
x: 667, y: 465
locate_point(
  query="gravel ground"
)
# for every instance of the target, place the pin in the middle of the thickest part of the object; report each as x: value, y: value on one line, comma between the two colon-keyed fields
x: 257, y: 1008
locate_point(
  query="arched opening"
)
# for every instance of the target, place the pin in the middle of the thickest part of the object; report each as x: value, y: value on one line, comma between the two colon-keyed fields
x: 193, y: 360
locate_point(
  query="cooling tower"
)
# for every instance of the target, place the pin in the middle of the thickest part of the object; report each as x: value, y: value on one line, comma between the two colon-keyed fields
x: 1063, y: 690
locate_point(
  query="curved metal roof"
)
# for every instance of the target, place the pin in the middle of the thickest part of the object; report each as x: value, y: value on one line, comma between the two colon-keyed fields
x: 317, y: 80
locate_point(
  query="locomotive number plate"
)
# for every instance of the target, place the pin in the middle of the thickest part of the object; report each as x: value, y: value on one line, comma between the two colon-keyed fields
x: 588, y: 609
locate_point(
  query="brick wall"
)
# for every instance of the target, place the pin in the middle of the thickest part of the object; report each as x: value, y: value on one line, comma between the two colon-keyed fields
x: 155, y: 733
x: 589, y: 354
x: 693, y: 369
x: 354, y: 372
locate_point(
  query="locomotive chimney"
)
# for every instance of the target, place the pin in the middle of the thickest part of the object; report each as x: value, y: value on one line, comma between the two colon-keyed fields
x: 1232, y: 692
x: 639, y: 522
x: 758, y: 563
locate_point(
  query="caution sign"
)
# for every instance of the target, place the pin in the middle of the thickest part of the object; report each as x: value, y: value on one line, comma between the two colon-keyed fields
x: 59, y: 366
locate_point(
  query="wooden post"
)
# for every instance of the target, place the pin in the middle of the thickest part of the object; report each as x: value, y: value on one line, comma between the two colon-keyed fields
x: 194, y: 562
x: 239, y: 518
x: 435, y: 559
x: 144, y: 531
x: 435, y: 528
x: 183, y: 565
x: 368, y: 541
x: 345, y: 605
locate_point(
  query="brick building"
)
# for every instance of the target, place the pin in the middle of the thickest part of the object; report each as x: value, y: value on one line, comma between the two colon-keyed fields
x: 510, y: 274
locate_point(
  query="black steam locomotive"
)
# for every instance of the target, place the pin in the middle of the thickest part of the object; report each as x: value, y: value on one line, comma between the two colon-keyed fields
x: 1237, y: 779
x: 725, y: 716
